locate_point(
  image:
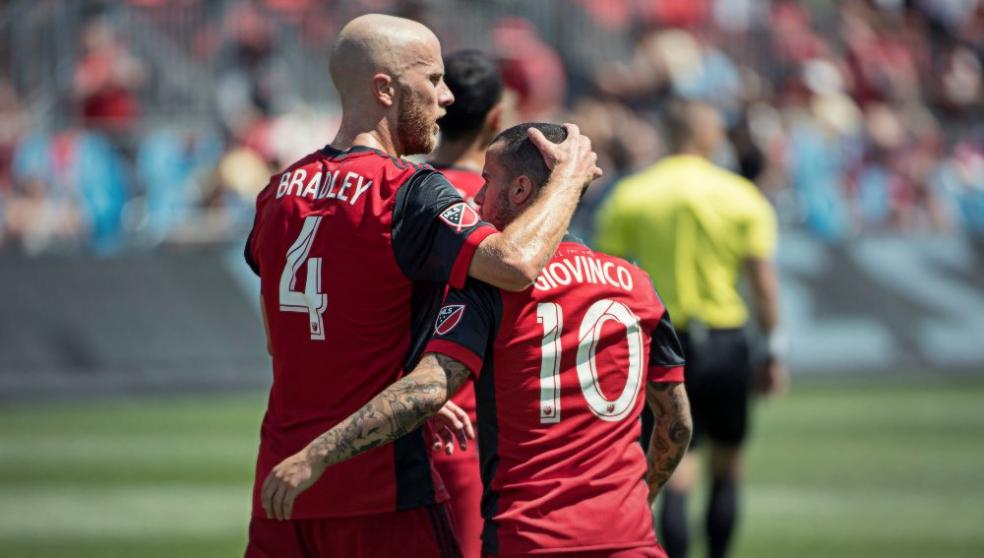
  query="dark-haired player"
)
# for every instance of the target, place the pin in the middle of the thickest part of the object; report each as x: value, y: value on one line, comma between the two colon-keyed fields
x: 561, y: 371
x: 471, y: 122
x: 354, y: 247
x: 466, y: 132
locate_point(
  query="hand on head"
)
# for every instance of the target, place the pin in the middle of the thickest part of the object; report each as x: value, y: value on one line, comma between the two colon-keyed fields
x: 571, y: 158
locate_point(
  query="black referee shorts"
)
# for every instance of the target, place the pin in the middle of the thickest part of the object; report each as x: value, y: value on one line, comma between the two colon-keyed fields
x: 718, y: 378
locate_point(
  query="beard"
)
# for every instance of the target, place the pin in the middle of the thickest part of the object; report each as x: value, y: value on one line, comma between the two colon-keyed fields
x: 500, y: 214
x: 414, y: 130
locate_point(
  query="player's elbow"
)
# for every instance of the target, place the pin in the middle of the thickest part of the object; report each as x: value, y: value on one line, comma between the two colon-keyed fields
x: 522, y: 278
x: 505, y: 264
x: 435, y: 394
x: 521, y: 269
x: 682, y: 429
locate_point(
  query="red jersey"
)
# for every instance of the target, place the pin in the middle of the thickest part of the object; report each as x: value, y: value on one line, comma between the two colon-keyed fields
x: 561, y: 370
x: 353, y: 249
x: 466, y: 181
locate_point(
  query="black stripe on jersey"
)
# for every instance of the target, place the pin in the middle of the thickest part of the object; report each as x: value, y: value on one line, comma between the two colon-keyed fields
x: 488, y: 450
x: 454, y: 548
x: 665, y: 348
x: 248, y: 254
x: 425, y: 303
x: 437, y: 533
x: 414, y: 485
x: 438, y: 529
x: 488, y: 433
x: 425, y: 248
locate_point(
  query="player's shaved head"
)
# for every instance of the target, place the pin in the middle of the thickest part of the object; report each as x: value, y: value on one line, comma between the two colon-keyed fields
x: 376, y: 43
x: 390, y: 79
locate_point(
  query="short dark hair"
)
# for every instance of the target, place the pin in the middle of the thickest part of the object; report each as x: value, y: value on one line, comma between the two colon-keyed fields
x: 521, y: 157
x: 678, y: 123
x: 477, y: 87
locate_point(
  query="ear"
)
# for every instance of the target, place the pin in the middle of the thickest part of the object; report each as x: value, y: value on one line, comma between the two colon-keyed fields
x: 384, y: 89
x: 520, y: 191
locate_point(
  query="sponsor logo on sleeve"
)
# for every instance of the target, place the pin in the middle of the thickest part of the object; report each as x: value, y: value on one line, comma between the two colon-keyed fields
x: 448, y: 318
x: 460, y: 216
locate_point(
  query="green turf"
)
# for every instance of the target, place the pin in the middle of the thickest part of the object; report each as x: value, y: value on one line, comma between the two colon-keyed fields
x: 865, y: 470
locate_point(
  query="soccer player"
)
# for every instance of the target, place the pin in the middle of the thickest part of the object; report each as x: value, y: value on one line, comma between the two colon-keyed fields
x: 696, y: 227
x: 466, y: 131
x: 354, y: 246
x: 471, y: 122
x: 562, y: 369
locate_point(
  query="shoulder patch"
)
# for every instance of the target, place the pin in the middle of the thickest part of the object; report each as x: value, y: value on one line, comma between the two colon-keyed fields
x: 449, y: 317
x: 460, y: 216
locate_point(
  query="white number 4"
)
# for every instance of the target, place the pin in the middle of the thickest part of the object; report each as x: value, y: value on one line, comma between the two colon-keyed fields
x: 311, y: 300
x: 551, y: 316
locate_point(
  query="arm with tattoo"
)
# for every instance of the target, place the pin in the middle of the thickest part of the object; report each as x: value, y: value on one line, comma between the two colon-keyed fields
x: 398, y: 410
x: 671, y: 433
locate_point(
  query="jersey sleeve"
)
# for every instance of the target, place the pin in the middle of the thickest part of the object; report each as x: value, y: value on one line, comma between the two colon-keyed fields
x: 248, y: 254
x: 665, y: 353
x: 466, y: 324
x: 435, y: 233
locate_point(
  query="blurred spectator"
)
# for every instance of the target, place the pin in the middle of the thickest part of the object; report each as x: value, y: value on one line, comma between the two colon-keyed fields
x: 13, y: 124
x: 625, y: 143
x: 225, y: 200
x: 854, y: 118
x: 172, y: 165
x: 531, y: 68
x: 247, y: 84
x: 69, y: 189
x: 106, y: 80
x: 960, y: 180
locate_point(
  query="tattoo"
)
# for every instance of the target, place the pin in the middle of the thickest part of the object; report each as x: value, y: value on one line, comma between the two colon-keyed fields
x: 455, y: 373
x: 672, y: 431
x: 398, y: 410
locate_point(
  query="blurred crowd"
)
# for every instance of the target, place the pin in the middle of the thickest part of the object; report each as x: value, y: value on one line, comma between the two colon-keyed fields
x: 854, y: 117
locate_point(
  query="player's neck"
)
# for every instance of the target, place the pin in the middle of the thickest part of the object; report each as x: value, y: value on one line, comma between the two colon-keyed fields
x: 378, y: 137
x: 467, y: 154
x: 693, y: 150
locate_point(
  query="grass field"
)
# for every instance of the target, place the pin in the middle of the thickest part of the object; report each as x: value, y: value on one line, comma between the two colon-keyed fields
x: 865, y: 470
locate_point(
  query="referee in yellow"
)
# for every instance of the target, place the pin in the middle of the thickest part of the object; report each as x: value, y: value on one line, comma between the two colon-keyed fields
x: 696, y: 228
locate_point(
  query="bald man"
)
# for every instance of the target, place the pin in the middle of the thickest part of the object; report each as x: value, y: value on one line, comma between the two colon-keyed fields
x: 354, y: 247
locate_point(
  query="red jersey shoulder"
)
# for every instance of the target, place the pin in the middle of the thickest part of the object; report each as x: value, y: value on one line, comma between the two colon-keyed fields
x: 340, y: 176
x: 280, y: 181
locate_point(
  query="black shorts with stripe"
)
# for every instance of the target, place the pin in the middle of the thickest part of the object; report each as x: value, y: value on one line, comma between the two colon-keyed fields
x: 718, y: 376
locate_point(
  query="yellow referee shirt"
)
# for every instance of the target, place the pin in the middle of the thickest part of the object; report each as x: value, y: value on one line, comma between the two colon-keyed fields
x: 691, y: 225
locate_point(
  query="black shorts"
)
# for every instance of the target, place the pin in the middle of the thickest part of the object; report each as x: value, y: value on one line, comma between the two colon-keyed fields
x: 718, y: 378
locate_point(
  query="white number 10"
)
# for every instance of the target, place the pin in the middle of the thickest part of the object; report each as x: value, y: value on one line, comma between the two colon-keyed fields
x: 552, y: 317
x: 312, y: 300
